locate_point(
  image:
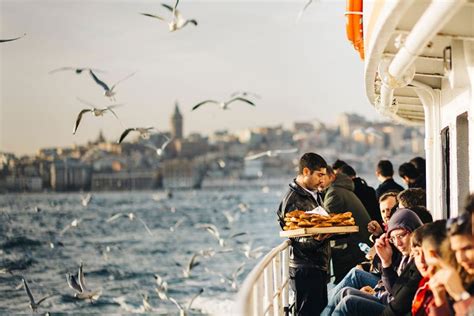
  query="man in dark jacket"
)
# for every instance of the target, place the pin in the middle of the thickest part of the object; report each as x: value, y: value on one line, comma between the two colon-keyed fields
x: 411, y: 176
x: 365, y: 193
x: 309, y: 256
x: 340, y: 198
x: 384, y: 173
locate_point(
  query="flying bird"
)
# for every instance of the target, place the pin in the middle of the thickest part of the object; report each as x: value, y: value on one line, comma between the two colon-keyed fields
x: 94, y: 111
x: 192, y: 263
x: 77, y: 70
x: 77, y: 283
x: 178, y: 22
x: 86, y: 199
x: 271, y: 153
x: 108, y: 92
x: 212, y: 229
x: 131, y: 216
x: 224, y: 105
x: 145, y: 132
x: 160, y: 150
x: 74, y: 223
x: 33, y: 304
x: 184, y: 310
x: 161, y: 288
x: 11, y: 39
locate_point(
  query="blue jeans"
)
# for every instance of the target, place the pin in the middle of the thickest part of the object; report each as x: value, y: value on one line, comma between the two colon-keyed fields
x: 356, y: 279
x: 353, y: 302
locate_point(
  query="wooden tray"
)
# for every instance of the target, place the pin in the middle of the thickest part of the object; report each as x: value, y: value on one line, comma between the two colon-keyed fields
x: 301, y: 232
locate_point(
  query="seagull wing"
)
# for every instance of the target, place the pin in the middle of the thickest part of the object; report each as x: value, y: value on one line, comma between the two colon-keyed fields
x: 153, y: 16
x: 212, y: 229
x: 166, y: 143
x: 194, y: 22
x: 114, y: 217
x: 45, y: 298
x: 176, y: 303
x: 98, y: 81
x: 167, y: 6
x: 204, y: 102
x: 285, y: 151
x: 125, y: 133
x: 61, y: 69
x: 123, y: 79
x: 193, y: 298
x: 145, y: 225
x: 11, y: 39
x: 238, y: 271
x: 304, y: 9
x: 256, y: 156
x: 237, y: 235
x: 72, y: 282
x: 192, y: 262
x: 240, y: 99
x: 82, y: 280
x: 110, y: 107
x: 28, y: 292
x: 79, y: 118
x: 86, y: 103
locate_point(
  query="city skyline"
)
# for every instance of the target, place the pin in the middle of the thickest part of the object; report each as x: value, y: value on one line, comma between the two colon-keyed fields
x: 293, y: 67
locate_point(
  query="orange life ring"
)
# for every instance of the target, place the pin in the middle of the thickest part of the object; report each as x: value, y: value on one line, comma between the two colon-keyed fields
x: 354, y: 25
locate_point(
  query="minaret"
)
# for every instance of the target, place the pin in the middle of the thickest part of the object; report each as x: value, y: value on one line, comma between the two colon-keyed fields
x: 177, y: 123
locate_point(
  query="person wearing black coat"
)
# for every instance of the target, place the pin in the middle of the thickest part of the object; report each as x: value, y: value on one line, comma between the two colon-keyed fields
x: 384, y: 173
x: 309, y: 256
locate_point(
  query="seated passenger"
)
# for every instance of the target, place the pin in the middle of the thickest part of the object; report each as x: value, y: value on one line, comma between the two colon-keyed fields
x: 400, y: 288
x: 447, y: 282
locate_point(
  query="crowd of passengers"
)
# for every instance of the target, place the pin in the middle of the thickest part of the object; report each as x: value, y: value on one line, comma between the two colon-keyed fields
x: 400, y: 263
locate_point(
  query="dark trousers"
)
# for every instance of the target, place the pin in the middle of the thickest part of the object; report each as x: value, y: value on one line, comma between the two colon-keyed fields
x: 343, y: 260
x: 310, y: 288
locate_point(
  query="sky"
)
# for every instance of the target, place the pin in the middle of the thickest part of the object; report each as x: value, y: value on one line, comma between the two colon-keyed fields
x: 303, y: 71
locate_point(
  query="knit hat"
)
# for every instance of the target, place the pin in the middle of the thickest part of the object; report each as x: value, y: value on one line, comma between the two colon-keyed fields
x: 404, y: 219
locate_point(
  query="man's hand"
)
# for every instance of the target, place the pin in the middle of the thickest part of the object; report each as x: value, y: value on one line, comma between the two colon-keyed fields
x: 321, y: 237
x: 448, y: 279
x: 374, y: 228
x: 384, y: 250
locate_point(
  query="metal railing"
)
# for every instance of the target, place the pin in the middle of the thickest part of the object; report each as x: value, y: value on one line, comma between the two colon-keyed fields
x: 265, y: 291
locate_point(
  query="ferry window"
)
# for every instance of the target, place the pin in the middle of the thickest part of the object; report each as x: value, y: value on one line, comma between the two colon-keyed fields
x: 446, y: 196
x: 462, y: 157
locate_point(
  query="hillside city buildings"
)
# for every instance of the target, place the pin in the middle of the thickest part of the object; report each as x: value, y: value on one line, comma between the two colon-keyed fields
x: 196, y: 160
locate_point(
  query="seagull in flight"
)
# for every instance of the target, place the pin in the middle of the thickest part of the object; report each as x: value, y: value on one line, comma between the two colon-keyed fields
x: 94, y: 111
x: 131, y: 216
x: 145, y: 132
x: 224, y: 105
x: 79, y: 286
x: 271, y: 153
x: 74, y: 223
x: 178, y: 22
x: 160, y: 150
x: 33, y: 304
x: 192, y: 263
x: 184, y: 310
x: 11, y: 39
x: 85, y: 199
x: 161, y: 288
x: 212, y: 229
x: 75, y: 69
x: 108, y: 92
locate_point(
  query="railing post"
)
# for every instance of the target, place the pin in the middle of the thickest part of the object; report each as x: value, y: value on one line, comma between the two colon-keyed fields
x: 277, y: 308
x: 268, y: 279
x: 286, y: 274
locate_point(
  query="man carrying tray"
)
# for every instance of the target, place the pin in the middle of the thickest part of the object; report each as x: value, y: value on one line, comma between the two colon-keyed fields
x: 309, y: 256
